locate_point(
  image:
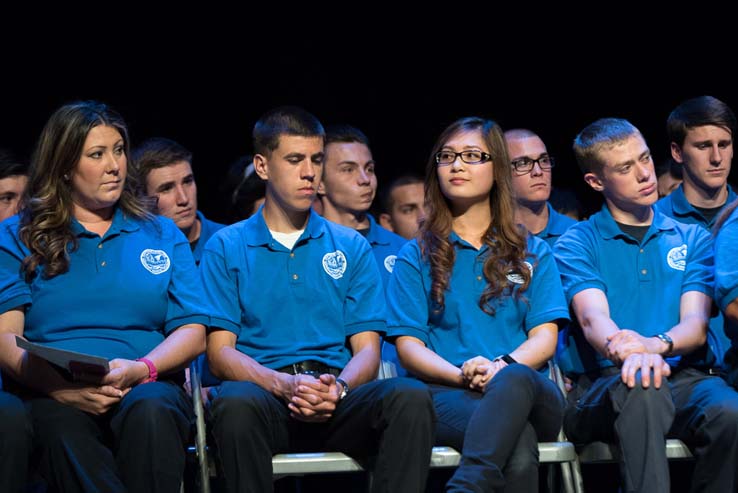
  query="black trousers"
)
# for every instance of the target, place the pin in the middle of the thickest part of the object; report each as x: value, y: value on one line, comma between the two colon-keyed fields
x: 139, y: 445
x: 387, y: 425
x: 498, y: 431
x: 15, y: 443
x: 699, y: 409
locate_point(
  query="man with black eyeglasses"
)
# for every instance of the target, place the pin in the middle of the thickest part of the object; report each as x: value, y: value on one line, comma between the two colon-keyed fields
x: 531, y: 181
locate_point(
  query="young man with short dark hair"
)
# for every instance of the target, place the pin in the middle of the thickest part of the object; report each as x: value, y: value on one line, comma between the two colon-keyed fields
x: 297, y: 310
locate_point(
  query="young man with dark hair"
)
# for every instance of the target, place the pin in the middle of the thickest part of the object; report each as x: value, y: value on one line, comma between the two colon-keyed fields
x: 531, y: 181
x: 700, y: 132
x: 348, y: 188
x: 297, y: 310
x: 165, y: 168
x: 640, y: 286
x: 13, y: 181
x: 404, y: 206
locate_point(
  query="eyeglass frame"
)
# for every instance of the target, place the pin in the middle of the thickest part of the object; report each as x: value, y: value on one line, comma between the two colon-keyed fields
x: 458, y: 155
x: 532, y: 162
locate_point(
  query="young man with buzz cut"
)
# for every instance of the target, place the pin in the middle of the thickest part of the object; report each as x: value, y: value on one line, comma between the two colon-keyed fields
x: 297, y: 308
x: 531, y: 180
x: 404, y: 206
x: 348, y: 188
x: 640, y: 286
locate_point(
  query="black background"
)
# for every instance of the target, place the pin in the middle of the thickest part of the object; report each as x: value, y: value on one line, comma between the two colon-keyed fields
x: 204, y: 82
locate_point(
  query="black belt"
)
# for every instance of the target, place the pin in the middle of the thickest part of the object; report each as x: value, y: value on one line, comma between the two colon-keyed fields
x: 309, y: 367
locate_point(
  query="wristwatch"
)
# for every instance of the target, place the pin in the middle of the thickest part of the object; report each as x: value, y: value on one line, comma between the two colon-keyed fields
x: 345, y: 387
x: 506, y: 358
x: 663, y: 337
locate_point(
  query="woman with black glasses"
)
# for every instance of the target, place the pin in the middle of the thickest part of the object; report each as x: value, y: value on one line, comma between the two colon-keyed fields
x: 474, y: 306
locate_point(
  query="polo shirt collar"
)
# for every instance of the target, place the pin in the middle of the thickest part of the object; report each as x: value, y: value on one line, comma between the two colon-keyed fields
x: 122, y: 222
x: 257, y: 231
x: 553, y: 226
x: 373, y: 237
x: 457, y: 240
x: 682, y: 207
x: 609, y: 229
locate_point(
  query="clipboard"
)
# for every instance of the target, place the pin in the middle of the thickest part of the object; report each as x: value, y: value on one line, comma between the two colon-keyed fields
x: 75, y: 363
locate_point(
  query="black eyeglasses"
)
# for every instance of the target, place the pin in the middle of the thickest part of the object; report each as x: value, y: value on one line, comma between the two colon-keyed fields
x: 525, y: 165
x: 444, y: 158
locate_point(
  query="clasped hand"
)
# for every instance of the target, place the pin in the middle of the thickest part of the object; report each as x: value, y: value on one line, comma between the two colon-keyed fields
x: 311, y: 399
x: 478, y: 371
x: 97, y: 395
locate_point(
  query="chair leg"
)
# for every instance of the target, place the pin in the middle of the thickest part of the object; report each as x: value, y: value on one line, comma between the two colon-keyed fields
x: 201, y: 434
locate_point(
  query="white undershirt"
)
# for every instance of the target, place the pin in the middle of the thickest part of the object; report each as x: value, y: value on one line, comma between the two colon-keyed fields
x: 287, y: 239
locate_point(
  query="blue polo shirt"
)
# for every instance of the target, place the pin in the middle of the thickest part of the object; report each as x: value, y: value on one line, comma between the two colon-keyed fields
x: 287, y: 305
x: 726, y: 267
x: 676, y: 206
x: 123, y: 293
x: 385, y: 246
x: 463, y: 330
x: 643, y: 282
x: 207, y: 229
x: 555, y: 227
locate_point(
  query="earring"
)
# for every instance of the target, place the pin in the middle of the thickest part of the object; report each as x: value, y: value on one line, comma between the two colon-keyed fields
x: 66, y: 177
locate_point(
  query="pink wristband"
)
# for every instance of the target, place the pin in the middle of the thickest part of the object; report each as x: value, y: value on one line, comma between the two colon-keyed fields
x: 153, y: 374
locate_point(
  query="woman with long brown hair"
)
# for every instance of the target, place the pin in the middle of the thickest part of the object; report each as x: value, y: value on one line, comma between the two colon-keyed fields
x: 84, y: 267
x: 473, y: 306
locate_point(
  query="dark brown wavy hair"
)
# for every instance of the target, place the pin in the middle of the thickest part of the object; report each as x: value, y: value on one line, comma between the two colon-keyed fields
x: 506, y: 241
x: 45, y: 221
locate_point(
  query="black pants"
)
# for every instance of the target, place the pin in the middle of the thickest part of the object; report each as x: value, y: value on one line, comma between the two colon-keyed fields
x: 387, y: 425
x: 699, y: 409
x: 498, y: 431
x: 139, y: 445
x: 15, y: 443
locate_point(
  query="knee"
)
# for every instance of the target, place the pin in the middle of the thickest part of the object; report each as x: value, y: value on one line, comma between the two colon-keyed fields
x: 146, y: 415
x: 239, y: 410
x: 514, y: 379
x: 648, y: 397
x: 409, y: 398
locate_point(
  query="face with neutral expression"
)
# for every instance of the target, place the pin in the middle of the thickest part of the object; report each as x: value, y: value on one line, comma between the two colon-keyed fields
x: 349, y: 182
x: 627, y: 179
x: 463, y: 183
x: 11, y: 191
x: 292, y: 171
x: 176, y: 193
x: 534, y: 187
x: 706, y: 156
x: 97, y: 180
x: 408, y: 209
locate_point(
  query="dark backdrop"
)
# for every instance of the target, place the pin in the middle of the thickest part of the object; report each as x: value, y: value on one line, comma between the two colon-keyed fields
x: 208, y: 99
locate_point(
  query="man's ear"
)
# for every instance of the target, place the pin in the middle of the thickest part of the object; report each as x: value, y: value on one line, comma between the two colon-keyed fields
x: 261, y: 166
x: 676, y: 152
x: 594, y: 181
x: 385, y: 220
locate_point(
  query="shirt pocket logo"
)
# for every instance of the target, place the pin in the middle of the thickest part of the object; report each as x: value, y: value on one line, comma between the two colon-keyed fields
x: 155, y: 261
x: 677, y: 257
x: 516, y: 278
x: 389, y: 262
x: 334, y: 264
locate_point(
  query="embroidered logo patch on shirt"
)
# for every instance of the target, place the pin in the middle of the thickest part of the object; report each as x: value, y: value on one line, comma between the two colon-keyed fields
x: 155, y: 261
x: 334, y: 264
x: 516, y: 278
x: 677, y: 257
x: 389, y: 262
